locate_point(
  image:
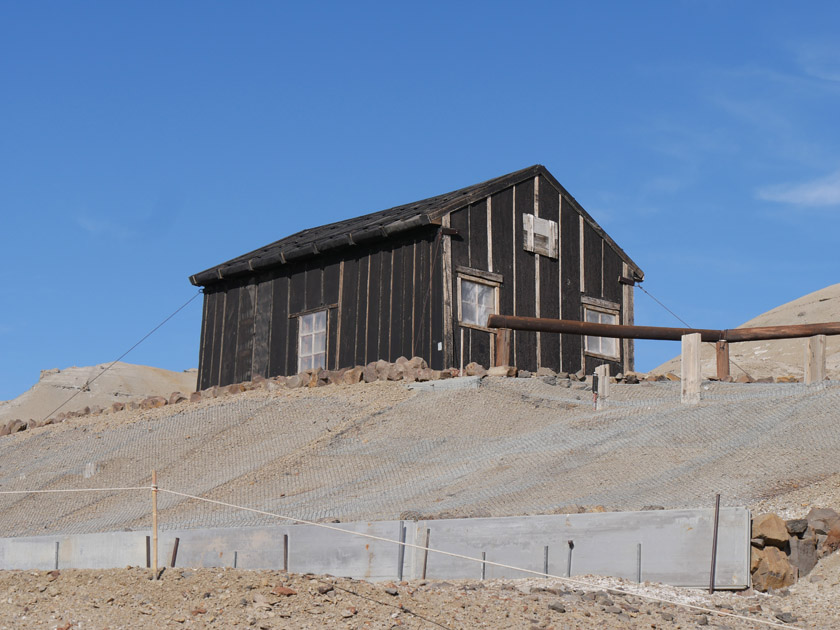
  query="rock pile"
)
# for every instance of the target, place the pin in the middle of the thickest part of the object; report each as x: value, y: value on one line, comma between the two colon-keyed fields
x: 784, y: 551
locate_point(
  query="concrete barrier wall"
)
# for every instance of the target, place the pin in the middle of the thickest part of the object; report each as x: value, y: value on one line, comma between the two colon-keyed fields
x: 669, y: 546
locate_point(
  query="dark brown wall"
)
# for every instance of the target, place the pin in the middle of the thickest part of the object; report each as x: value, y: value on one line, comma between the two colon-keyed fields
x: 385, y: 303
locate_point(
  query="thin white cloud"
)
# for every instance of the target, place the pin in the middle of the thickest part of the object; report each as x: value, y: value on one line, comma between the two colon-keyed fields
x: 100, y: 227
x: 821, y: 61
x: 821, y: 192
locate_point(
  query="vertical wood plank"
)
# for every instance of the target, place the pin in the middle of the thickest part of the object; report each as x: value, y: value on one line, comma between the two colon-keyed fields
x: 361, y: 322
x: 349, y: 309
x: 331, y: 294
x: 550, y: 279
x: 245, y: 332
x: 374, y: 312
x: 690, y: 369
x: 228, y: 360
x: 570, y: 283
x: 218, y: 339
x: 722, y: 360
x: 398, y: 310
x: 202, y: 351
x: 627, y: 316
x: 384, y: 310
x: 262, y: 328
x: 446, y: 285
x: 339, y: 315
x: 526, y: 341
x: 278, y: 343
x: 478, y: 235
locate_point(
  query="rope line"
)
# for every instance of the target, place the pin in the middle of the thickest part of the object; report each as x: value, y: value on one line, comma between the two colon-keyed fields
x: 74, y: 490
x: 87, y: 384
x: 541, y: 574
x: 687, y: 324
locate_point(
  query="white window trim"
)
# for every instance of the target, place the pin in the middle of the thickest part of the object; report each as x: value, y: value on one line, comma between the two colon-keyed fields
x: 606, y: 311
x: 326, y: 353
x: 464, y: 275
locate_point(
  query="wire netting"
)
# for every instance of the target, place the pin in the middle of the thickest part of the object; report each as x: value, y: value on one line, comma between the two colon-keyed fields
x: 382, y: 451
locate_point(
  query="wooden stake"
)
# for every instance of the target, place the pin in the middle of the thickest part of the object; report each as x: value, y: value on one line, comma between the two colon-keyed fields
x: 815, y: 360
x: 722, y: 356
x: 154, y: 525
x: 502, y: 354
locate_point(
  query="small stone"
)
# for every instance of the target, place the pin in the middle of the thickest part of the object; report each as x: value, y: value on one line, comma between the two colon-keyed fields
x: 702, y: 620
x: 349, y: 613
x: 557, y: 607
x: 524, y: 374
x: 117, y: 406
x: 652, y: 507
x: 392, y: 591
x: 785, y: 617
x: 325, y: 588
x: 796, y: 526
x: 283, y: 591
x: 670, y: 376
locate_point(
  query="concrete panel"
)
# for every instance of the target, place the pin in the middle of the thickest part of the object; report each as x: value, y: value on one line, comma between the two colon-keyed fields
x: 675, y: 547
x: 449, y: 384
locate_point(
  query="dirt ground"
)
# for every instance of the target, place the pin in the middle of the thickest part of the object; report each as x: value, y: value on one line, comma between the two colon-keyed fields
x: 226, y: 598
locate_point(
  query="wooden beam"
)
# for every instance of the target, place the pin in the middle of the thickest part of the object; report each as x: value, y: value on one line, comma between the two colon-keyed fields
x: 722, y: 356
x: 815, y: 360
x: 502, y: 347
x: 690, y: 369
x: 446, y: 273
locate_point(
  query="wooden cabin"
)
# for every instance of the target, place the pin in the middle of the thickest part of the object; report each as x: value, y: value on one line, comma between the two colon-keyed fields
x: 420, y: 280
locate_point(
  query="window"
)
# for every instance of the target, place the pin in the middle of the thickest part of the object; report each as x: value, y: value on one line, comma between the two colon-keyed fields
x: 602, y: 346
x: 476, y: 301
x: 312, y: 341
x: 540, y: 236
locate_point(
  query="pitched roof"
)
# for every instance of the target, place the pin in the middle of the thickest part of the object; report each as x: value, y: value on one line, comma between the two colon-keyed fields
x: 378, y: 226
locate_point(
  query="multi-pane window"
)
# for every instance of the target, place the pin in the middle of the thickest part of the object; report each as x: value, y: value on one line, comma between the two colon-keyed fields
x: 312, y: 341
x: 604, y: 346
x: 478, y: 302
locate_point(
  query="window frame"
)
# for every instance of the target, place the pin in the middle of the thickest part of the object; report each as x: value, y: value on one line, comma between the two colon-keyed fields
x: 300, y: 334
x: 601, y: 310
x: 483, y: 279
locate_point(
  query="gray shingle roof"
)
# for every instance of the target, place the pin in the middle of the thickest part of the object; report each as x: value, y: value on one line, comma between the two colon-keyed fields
x: 370, y: 228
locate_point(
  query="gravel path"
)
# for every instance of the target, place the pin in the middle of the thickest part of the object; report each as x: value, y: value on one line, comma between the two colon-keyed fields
x: 129, y: 599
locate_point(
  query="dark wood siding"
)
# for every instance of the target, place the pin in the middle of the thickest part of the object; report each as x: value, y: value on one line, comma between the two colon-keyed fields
x: 549, y: 203
x: 231, y: 325
x: 329, y: 297
x: 570, y: 270
x: 525, y: 343
x: 262, y: 327
x: 593, y: 265
x: 245, y: 333
x: 502, y: 229
x: 349, y: 310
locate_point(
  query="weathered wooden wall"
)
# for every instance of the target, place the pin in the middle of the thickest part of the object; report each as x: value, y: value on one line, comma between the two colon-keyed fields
x: 383, y: 302
x: 534, y: 285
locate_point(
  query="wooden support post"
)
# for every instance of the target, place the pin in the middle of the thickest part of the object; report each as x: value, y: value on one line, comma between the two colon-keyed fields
x: 690, y: 369
x: 722, y: 356
x: 603, y: 390
x: 154, y: 525
x: 502, y: 349
x: 815, y: 360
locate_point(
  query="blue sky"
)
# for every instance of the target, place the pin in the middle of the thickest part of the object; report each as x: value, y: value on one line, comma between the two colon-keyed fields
x: 145, y: 141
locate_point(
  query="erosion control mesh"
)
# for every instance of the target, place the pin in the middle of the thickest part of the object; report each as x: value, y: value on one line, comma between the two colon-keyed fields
x: 382, y: 451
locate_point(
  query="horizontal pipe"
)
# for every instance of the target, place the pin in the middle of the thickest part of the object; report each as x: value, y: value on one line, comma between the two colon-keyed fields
x: 541, y: 324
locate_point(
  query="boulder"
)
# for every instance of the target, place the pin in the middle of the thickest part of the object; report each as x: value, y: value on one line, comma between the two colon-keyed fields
x: 418, y: 363
x: 831, y: 542
x: 474, y: 369
x: 743, y: 378
x: 670, y: 376
x: 772, y: 569
x: 195, y: 397
x: 401, y: 361
x: 176, y: 397
x: 396, y: 370
x: 297, y: 380
x: 544, y: 371
x: 821, y: 520
x: 236, y: 388
x: 771, y: 529
x: 382, y: 369
x: 353, y: 375
x: 502, y: 370
x: 427, y: 374
x: 527, y: 374
x: 803, y: 554
x: 370, y: 373
x: 153, y: 402
x: 117, y: 406
x: 787, y: 379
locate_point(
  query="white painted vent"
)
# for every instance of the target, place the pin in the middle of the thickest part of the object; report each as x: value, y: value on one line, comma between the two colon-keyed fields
x: 540, y: 236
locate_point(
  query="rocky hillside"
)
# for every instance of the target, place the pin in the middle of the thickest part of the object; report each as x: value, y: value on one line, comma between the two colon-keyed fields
x: 779, y: 358
x: 122, y: 383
